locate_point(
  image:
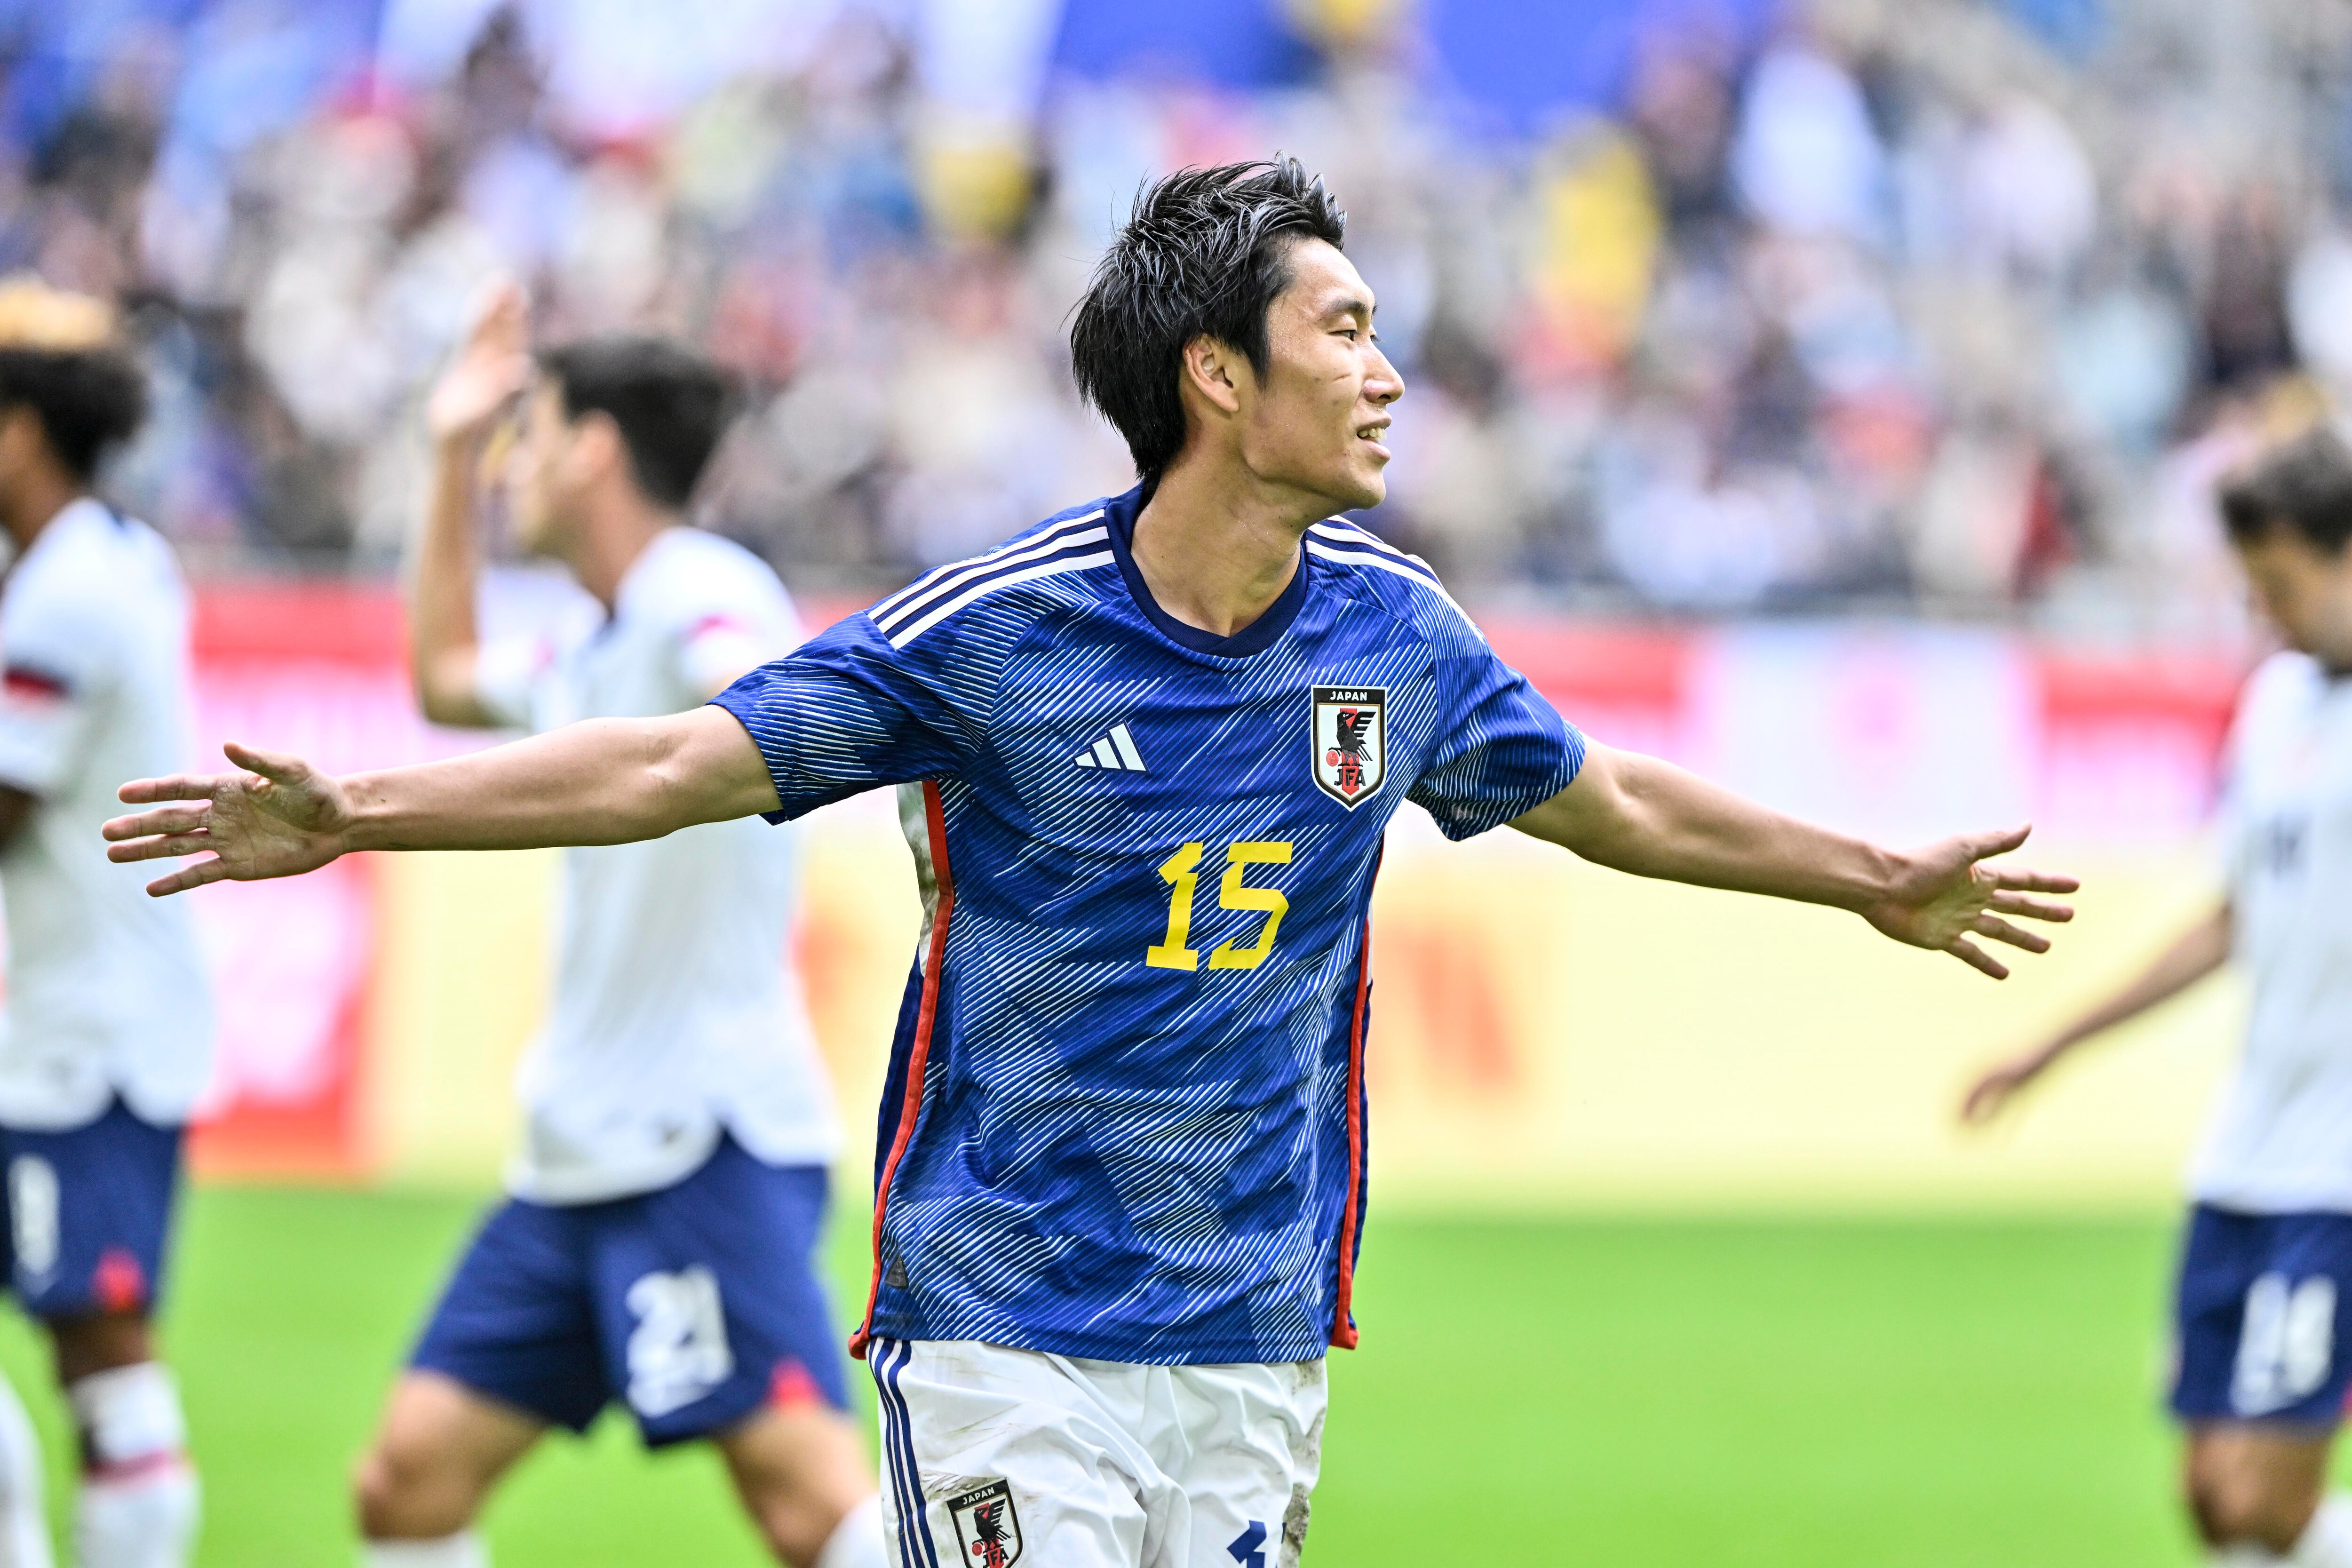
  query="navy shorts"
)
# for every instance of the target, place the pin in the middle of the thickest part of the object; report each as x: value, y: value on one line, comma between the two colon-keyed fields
x: 90, y: 1213
x: 695, y: 1304
x: 2263, y: 1314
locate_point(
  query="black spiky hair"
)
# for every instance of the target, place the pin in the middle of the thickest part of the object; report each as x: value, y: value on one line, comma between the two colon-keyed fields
x: 1203, y: 255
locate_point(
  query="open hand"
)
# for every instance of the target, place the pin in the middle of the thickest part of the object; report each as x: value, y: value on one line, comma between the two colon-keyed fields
x: 279, y: 818
x: 490, y: 370
x: 1943, y: 898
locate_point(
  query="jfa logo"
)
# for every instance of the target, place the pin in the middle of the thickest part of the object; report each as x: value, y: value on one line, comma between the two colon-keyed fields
x: 1350, y: 744
x: 987, y: 1526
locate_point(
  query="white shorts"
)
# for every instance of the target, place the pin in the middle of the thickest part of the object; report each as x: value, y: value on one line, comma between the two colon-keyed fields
x: 995, y: 1457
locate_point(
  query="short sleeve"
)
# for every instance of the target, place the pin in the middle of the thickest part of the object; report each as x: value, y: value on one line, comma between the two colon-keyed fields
x: 847, y: 712
x: 52, y: 675
x: 507, y: 673
x: 1501, y: 749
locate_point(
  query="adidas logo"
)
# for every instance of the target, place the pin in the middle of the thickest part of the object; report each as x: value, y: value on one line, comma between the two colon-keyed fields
x: 1115, y: 751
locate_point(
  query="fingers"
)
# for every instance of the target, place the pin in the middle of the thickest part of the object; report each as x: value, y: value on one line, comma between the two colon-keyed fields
x: 2000, y: 930
x: 170, y: 819
x: 179, y: 786
x: 187, y: 877
x: 146, y: 824
x: 1985, y: 1097
x: 1977, y: 958
x: 504, y: 322
x: 2030, y: 909
x: 1985, y: 845
x: 280, y: 767
x: 2024, y: 881
x: 162, y: 847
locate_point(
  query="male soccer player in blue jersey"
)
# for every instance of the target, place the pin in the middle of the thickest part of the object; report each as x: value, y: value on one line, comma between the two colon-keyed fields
x: 1148, y: 750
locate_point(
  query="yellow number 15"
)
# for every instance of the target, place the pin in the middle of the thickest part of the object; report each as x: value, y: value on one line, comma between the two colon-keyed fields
x: 1183, y: 874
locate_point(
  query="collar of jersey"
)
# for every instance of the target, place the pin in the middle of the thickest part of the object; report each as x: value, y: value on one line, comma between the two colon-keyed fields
x: 1119, y: 514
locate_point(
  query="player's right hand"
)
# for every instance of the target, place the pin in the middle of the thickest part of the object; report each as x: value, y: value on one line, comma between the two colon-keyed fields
x: 1992, y: 1094
x: 279, y: 818
x: 491, y: 368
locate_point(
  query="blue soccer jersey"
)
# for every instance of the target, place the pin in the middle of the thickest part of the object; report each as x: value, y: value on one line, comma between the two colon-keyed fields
x: 1125, y: 1115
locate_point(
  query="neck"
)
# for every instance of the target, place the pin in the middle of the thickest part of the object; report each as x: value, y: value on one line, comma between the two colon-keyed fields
x: 38, y: 500
x: 604, y: 551
x: 1217, y: 545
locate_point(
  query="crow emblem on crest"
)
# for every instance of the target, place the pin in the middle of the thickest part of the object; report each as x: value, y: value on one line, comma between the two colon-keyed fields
x: 1350, y: 749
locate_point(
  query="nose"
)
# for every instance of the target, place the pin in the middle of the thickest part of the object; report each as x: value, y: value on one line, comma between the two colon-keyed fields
x: 1383, y: 383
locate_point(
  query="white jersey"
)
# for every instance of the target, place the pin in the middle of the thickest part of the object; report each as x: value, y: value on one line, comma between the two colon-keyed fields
x: 677, y: 1011
x: 2281, y: 1138
x: 106, y: 994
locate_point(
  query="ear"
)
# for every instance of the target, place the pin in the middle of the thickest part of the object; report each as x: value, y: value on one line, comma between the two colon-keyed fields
x: 1217, y: 372
x: 597, y: 449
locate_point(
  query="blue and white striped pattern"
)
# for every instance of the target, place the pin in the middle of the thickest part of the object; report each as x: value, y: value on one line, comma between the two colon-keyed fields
x: 1107, y: 1157
x: 1071, y: 546
x: 888, y: 1358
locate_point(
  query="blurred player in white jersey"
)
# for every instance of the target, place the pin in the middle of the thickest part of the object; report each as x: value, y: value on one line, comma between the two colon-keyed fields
x: 658, y: 1247
x: 106, y: 1040
x: 2263, y: 1356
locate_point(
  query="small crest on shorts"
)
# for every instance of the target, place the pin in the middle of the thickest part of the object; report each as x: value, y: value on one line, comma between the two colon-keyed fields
x: 987, y: 1527
x: 1350, y: 741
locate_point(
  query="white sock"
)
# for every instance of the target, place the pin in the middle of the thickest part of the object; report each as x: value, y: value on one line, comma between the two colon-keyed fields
x: 138, y: 1502
x: 463, y: 1550
x: 2326, y: 1541
x: 857, y: 1541
x: 23, y: 1520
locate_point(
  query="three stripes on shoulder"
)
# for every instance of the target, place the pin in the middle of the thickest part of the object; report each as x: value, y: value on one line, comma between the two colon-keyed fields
x: 1115, y: 751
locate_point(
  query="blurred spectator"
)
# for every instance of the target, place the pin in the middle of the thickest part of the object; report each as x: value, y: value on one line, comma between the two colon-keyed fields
x: 1772, y: 307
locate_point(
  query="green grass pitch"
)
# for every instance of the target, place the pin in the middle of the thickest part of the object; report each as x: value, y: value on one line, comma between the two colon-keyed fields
x: 1830, y: 1393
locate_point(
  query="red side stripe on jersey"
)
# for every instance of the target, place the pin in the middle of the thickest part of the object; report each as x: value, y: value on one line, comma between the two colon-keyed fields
x: 1343, y: 1332
x: 911, y: 1106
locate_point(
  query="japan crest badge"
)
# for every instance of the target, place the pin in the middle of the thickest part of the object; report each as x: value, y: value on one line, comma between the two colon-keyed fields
x: 1351, y: 744
x: 987, y: 1528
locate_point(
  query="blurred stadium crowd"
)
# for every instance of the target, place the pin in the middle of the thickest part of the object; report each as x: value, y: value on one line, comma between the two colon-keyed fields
x: 1946, y: 303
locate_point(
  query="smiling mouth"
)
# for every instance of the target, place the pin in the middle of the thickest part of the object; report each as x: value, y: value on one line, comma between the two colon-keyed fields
x: 1371, y: 432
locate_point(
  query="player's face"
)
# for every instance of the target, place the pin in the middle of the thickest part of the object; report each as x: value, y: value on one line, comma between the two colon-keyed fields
x: 2303, y: 591
x: 1322, y: 409
x: 538, y: 497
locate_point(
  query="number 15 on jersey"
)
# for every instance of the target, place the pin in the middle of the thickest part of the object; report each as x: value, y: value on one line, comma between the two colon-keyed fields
x: 1182, y: 872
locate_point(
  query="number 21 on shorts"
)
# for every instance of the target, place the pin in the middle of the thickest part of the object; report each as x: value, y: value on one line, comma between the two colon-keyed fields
x: 1182, y: 872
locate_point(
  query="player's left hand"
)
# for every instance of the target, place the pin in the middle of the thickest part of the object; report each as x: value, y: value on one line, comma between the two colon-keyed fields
x: 1943, y: 896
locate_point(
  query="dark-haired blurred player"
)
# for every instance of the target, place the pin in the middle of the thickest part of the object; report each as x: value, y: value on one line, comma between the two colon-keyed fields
x: 1151, y: 748
x: 107, y: 1038
x: 2265, y: 1302
x: 658, y: 1246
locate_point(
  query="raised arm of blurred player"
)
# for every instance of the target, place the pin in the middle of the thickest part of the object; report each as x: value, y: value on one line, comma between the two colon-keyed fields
x: 478, y: 388
x: 605, y: 781
x: 2201, y: 950
x: 1635, y: 814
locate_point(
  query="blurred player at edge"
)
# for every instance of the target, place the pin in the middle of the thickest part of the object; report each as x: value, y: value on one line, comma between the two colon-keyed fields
x: 107, y: 1038
x: 658, y: 1246
x: 1157, y: 742
x: 2264, y: 1300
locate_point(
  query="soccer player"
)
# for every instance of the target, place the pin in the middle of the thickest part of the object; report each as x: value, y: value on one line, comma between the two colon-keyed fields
x: 1148, y: 751
x: 2263, y: 1363
x: 660, y: 1244
x: 107, y: 1038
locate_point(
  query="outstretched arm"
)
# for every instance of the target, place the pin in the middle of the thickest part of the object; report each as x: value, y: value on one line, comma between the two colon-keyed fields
x: 607, y: 781
x: 2201, y: 950
x: 1634, y: 813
